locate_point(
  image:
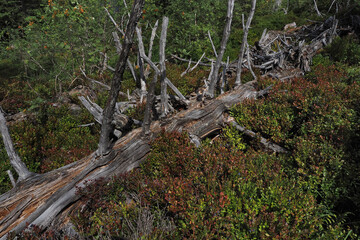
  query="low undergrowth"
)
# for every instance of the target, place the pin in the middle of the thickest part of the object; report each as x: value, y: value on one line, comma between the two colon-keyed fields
x: 231, y: 188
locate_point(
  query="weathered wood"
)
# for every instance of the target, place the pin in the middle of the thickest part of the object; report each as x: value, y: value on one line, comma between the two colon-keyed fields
x: 121, y: 122
x: 164, y: 96
x: 118, y: 50
x: 153, y: 65
x: 189, y: 61
x: 244, y: 43
x: 149, y: 106
x: 15, y: 160
x: 193, y: 68
x: 55, y: 192
x: 226, y: 34
x: 212, y: 44
x: 12, y: 179
x: 153, y: 34
x: 94, y: 81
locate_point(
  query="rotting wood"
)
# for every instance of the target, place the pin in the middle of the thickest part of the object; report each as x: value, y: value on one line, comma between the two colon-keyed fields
x: 56, y: 190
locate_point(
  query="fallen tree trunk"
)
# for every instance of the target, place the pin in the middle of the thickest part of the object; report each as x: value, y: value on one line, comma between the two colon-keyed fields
x: 48, y: 199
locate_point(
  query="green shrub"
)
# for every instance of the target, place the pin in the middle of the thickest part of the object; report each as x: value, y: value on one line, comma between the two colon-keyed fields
x: 212, y: 192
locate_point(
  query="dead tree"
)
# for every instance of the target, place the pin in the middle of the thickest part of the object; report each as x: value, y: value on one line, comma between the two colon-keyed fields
x: 49, y: 199
x: 164, y: 96
x: 244, y: 43
x: 107, y: 128
x: 226, y: 34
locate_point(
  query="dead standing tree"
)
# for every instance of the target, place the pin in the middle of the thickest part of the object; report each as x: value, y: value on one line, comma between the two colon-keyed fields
x: 244, y: 44
x: 107, y: 127
x: 214, y: 76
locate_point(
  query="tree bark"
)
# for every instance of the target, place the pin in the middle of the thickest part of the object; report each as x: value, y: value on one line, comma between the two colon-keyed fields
x: 226, y: 34
x: 107, y: 128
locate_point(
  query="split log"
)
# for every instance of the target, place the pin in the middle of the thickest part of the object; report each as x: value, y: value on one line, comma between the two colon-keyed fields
x: 48, y: 199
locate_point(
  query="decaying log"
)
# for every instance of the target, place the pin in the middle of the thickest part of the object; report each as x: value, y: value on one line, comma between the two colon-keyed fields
x: 53, y: 195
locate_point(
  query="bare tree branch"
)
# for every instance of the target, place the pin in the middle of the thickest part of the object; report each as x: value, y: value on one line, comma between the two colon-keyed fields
x: 114, y: 22
x: 266, y: 143
x: 15, y: 160
x: 192, y: 69
x: 153, y: 65
x: 212, y: 44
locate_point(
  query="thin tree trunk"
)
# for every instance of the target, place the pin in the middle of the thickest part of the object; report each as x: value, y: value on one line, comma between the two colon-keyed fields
x: 107, y: 127
x: 244, y: 44
x: 164, y: 96
x: 226, y: 34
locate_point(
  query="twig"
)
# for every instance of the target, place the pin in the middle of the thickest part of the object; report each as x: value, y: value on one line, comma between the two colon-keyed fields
x: 212, y: 44
x: 185, y: 60
x: 112, y: 19
x: 86, y: 125
x: 95, y: 81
